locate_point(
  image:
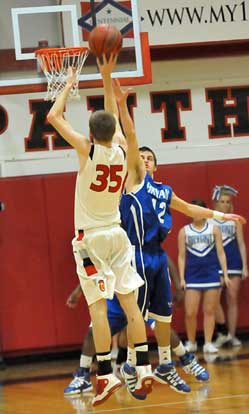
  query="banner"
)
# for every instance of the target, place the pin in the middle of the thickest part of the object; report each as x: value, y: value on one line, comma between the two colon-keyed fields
x: 171, y: 22
x: 182, y: 117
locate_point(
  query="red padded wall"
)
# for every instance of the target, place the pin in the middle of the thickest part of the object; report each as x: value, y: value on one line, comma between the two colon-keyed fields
x: 26, y: 299
x: 37, y: 265
x: 37, y: 270
x: 59, y: 190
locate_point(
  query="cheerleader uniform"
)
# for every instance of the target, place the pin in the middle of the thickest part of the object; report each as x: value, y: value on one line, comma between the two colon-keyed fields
x: 202, y: 265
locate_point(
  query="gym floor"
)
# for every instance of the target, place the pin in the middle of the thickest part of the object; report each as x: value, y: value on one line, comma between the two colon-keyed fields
x: 37, y: 388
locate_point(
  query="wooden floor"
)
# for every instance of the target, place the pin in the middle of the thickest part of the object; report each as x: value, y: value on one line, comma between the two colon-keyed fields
x: 37, y: 388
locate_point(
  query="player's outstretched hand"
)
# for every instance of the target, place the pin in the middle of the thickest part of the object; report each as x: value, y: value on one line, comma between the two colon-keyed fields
x: 73, y: 299
x: 121, y: 94
x: 105, y: 65
x: 71, y: 76
x: 235, y: 217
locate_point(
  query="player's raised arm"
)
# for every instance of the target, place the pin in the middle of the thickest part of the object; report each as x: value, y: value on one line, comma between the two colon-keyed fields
x: 133, y: 155
x: 55, y: 117
x: 106, y: 67
x: 192, y: 210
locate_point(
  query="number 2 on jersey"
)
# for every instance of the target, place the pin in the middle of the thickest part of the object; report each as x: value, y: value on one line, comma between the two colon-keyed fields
x: 162, y: 209
x: 107, y: 175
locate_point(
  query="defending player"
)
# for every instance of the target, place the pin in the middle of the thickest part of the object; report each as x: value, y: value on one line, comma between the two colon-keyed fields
x: 145, y: 214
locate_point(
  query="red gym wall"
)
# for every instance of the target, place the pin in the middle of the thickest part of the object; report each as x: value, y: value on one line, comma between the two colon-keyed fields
x: 37, y: 266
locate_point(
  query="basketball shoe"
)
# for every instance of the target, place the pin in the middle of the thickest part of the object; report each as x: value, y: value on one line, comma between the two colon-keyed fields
x: 106, y: 385
x: 80, y: 383
x: 144, y: 382
x: 139, y: 380
x: 167, y: 374
x: 191, y: 366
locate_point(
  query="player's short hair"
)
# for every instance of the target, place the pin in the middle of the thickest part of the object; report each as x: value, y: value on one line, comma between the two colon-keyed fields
x: 102, y: 125
x: 199, y: 202
x: 144, y: 148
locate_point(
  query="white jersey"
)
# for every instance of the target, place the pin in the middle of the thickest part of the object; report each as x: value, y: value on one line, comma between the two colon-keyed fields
x: 98, y: 188
x: 229, y: 239
x: 228, y: 230
x: 199, y: 242
x: 202, y: 265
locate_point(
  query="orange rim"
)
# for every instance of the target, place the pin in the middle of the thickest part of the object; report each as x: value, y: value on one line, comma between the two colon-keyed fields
x: 59, y: 50
x: 51, y: 58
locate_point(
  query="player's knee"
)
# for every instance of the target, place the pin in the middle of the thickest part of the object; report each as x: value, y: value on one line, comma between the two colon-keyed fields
x: 98, y: 310
x: 128, y: 303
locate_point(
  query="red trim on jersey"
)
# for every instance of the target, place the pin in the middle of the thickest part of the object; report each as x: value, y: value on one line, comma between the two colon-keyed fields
x: 80, y: 235
x: 90, y: 270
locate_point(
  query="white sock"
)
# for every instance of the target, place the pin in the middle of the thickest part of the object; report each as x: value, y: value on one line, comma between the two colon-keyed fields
x: 105, y: 357
x: 164, y: 354
x: 85, y: 361
x: 179, y: 350
x: 131, y: 356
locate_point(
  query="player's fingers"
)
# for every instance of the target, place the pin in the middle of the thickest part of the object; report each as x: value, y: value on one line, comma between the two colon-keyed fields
x: 236, y: 217
x: 116, y: 82
x: 116, y: 85
x: 114, y: 57
x: 104, y: 58
x: 241, y: 219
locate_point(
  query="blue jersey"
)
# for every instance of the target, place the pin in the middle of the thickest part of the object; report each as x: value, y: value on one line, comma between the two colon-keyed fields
x: 147, y: 220
x: 145, y: 214
x: 202, y: 267
x: 228, y: 231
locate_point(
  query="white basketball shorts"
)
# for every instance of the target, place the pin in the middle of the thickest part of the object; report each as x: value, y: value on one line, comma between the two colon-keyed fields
x: 111, y: 253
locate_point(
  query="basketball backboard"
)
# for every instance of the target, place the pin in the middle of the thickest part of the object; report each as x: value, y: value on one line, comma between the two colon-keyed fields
x: 66, y: 23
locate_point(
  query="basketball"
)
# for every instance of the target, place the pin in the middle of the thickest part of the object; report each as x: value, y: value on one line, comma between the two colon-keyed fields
x: 105, y: 39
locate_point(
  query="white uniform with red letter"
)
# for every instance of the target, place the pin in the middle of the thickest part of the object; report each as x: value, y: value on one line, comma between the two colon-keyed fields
x: 97, y: 226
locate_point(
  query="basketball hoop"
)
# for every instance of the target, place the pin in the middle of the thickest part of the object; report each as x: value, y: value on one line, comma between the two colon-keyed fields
x: 55, y: 63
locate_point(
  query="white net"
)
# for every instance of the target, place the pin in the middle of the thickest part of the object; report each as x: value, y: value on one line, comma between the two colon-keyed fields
x: 55, y: 63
